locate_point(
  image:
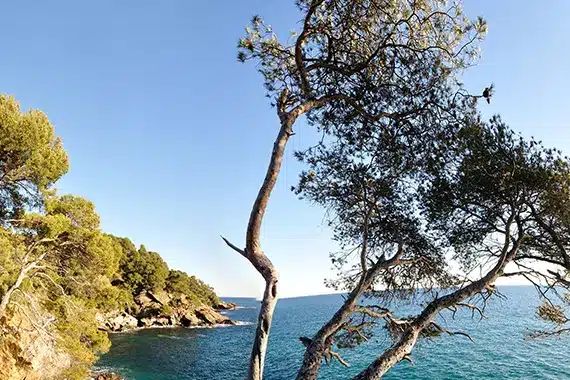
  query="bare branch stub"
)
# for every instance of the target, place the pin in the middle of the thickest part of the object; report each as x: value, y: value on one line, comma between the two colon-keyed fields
x: 234, y: 247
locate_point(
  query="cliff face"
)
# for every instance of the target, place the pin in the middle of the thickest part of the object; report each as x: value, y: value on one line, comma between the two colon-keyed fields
x: 161, y: 309
x: 28, y: 349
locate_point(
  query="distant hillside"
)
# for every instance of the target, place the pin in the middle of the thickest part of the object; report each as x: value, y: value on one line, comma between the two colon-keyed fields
x: 149, y: 294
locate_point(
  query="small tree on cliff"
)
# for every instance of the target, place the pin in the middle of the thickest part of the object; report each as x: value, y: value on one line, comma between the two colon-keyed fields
x: 62, y: 249
x: 55, y: 263
x: 371, y: 63
x: 32, y: 158
x: 143, y: 270
x: 481, y: 203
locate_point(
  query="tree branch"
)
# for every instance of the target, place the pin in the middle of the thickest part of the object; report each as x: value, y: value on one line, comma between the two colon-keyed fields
x: 235, y: 248
x: 339, y: 358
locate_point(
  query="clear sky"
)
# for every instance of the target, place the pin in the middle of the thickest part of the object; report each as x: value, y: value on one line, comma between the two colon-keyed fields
x: 169, y: 136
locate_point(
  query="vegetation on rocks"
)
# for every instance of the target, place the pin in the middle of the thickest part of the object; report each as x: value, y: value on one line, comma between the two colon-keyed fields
x: 59, y: 272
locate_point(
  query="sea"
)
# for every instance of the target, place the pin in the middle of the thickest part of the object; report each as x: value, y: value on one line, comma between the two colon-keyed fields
x: 501, y: 348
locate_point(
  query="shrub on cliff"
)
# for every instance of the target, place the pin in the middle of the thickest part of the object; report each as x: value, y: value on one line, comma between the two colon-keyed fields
x: 179, y: 282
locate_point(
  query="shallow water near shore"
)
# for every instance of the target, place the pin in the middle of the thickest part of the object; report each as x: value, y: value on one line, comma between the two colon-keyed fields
x: 499, y: 351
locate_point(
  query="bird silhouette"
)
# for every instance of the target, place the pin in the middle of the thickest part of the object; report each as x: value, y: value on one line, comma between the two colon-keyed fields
x: 488, y: 93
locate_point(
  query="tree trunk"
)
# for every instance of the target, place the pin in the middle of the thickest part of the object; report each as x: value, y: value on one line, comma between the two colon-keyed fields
x: 6, y: 297
x: 315, y: 351
x: 25, y: 268
x: 257, y: 359
x: 404, y: 346
x: 390, y: 357
x: 253, y: 251
x: 313, y: 357
x: 256, y: 256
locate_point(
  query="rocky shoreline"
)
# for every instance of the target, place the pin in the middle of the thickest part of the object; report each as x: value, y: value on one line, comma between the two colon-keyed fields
x: 105, y: 376
x: 160, y: 309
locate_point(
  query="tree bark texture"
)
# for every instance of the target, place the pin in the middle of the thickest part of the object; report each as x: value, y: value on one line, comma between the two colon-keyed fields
x: 253, y: 251
x: 8, y: 295
x: 259, y: 260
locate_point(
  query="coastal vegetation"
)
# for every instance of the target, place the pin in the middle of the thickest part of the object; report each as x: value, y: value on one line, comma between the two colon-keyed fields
x: 61, y: 276
x: 420, y: 192
x: 429, y: 203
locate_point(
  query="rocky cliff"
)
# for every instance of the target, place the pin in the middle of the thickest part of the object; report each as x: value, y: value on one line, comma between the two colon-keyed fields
x: 161, y: 309
x: 29, y: 350
x: 29, y: 346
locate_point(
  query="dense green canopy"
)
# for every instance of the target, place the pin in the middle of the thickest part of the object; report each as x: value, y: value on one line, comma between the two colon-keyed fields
x: 31, y: 157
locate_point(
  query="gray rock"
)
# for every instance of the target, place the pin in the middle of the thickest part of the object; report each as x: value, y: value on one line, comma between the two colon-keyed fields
x: 145, y: 300
x: 116, y: 321
x: 156, y: 321
x: 210, y: 316
x: 189, y: 319
x: 226, y: 306
x: 161, y: 297
x: 106, y: 376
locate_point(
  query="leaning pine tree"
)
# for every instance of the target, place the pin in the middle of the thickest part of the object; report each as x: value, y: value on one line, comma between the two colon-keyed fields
x: 356, y: 65
x: 485, y: 200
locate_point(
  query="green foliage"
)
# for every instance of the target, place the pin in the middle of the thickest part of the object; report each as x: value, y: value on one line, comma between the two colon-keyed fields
x: 78, y: 334
x: 108, y: 298
x: 371, y: 57
x: 31, y: 157
x: 144, y: 270
x: 551, y: 313
x: 80, y: 211
x: 55, y: 243
x: 382, y: 81
x: 141, y: 269
x: 10, y: 244
x: 165, y: 310
x: 179, y: 282
x: 66, y: 243
x: 127, y: 246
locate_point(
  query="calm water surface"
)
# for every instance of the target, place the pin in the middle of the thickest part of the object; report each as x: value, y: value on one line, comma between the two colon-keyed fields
x: 500, y: 350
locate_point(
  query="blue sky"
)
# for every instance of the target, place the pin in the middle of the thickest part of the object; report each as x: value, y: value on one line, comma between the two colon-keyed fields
x: 169, y: 136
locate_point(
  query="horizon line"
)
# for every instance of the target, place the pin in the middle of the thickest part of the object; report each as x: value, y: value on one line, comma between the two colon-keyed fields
x: 330, y: 294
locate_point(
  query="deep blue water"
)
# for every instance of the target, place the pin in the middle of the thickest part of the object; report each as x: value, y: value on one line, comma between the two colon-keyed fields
x: 500, y: 350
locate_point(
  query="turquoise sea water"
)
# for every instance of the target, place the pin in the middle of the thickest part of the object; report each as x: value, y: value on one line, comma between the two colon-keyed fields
x: 500, y: 350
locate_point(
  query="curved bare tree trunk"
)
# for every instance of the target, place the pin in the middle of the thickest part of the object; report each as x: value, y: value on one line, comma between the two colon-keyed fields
x: 253, y: 251
x: 8, y: 295
x: 22, y: 274
x: 315, y: 351
x: 256, y: 256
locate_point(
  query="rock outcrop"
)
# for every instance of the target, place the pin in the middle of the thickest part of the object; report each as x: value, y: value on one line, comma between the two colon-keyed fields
x: 105, y: 376
x: 160, y: 309
x: 190, y: 319
x: 117, y: 321
x: 227, y: 306
x: 28, y: 352
x: 29, y: 348
x: 159, y: 321
x: 210, y: 316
